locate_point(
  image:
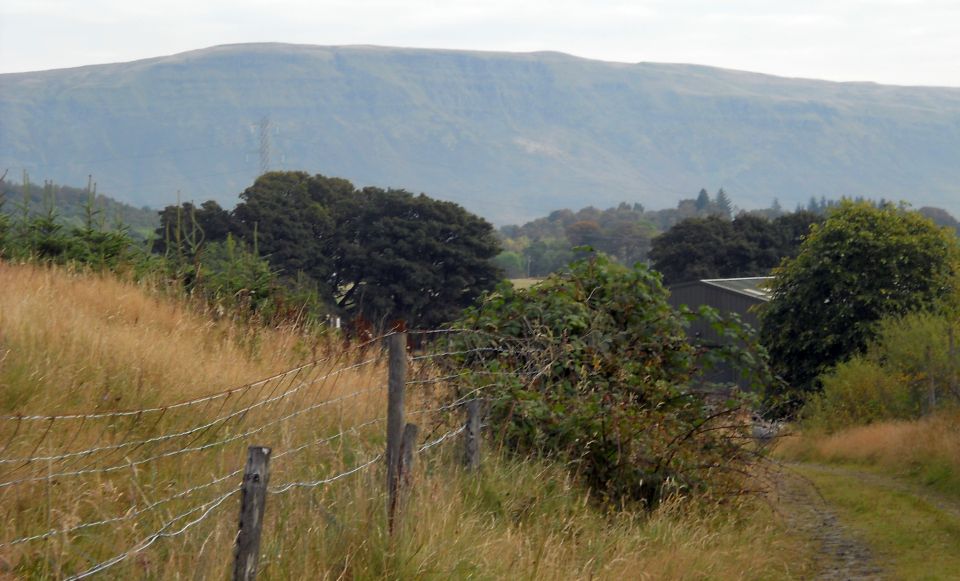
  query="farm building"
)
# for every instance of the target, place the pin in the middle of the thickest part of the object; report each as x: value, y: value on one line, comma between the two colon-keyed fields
x: 726, y: 295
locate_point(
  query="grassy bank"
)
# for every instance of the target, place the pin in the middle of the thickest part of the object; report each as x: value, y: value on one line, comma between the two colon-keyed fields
x: 926, y: 450
x: 80, y: 490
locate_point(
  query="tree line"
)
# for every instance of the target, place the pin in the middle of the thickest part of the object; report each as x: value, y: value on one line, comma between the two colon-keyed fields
x: 383, y: 255
x: 297, y: 247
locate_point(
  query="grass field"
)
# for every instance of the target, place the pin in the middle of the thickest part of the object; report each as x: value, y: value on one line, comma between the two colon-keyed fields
x: 157, y: 489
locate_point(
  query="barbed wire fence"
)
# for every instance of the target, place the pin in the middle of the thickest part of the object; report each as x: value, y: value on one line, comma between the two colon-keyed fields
x: 139, y: 477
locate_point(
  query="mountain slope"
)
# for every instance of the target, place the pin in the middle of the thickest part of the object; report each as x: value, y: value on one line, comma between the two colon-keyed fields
x: 510, y: 136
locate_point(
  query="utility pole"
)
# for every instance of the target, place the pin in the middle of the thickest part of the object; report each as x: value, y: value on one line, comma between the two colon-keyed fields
x: 264, y: 144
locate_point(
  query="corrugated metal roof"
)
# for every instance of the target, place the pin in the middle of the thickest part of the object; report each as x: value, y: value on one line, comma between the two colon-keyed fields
x: 751, y: 286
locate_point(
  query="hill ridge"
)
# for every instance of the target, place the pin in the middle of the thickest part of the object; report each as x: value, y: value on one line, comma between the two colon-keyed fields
x: 511, y: 136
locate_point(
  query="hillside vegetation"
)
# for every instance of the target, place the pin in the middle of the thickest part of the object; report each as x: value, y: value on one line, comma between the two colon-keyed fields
x: 510, y: 136
x: 71, y: 205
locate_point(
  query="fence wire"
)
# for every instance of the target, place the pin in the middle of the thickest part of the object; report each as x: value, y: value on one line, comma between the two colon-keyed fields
x: 229, y: 407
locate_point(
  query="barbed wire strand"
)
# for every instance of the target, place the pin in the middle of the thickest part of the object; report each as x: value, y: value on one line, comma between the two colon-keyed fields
x: 185, y: 403
x: 132, y: 513
x: 316, y: 483
x: 196, y: 429
x: 180, y: 451
x: 441, y: 439
x: 135, y: 512
x: 206, y: 508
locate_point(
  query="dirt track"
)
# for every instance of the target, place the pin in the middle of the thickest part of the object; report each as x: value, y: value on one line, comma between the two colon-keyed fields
x: 840, y: 554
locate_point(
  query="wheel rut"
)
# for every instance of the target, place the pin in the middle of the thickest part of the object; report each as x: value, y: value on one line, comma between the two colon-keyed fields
x: 839, y: 553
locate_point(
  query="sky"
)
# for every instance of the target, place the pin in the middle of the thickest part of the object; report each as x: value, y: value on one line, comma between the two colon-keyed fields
x: 906, y: 42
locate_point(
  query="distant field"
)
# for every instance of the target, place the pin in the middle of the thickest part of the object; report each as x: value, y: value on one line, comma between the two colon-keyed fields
x: 524, y: 282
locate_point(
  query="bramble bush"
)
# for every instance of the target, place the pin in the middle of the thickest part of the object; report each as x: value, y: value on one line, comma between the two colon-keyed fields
x: 593, y: 369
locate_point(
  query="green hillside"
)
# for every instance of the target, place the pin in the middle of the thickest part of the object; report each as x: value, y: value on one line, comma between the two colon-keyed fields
x: 72, y: 206
x: 510, y: 136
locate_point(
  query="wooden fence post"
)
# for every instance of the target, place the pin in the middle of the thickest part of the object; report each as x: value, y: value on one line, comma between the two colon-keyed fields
x: 408, y: 447
x: 932, y: 396
x: 471, y: 436
x: 396, y: 384
x: 951, y: 362
x: 253, y: 497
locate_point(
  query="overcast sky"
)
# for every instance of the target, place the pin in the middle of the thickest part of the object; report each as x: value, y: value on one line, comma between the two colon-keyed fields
x: 912, y: 42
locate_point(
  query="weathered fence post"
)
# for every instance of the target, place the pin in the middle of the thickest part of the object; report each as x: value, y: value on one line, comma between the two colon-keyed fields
x: 471, y: 436
x: 408, y: 447
x: 932, y: 403
x: 397, y: 344
x: 253, y: 497
x: 951, y: 362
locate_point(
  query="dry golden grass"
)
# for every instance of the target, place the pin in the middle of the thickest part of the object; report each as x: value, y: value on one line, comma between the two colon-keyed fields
x: 83, y: 340
x: 77, y: 342
x: 894, y: 443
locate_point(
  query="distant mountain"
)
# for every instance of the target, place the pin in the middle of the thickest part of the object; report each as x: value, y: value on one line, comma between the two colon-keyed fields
x: 510, y: 136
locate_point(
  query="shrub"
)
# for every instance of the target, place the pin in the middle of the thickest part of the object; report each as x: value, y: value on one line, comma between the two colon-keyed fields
x: 859, y: 391
x: 892, y: 380
x: 593, y: 368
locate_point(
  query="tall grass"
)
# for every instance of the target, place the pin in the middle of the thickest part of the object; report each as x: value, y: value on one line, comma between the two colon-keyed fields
x: 928, y: 448
x: 75, y: 342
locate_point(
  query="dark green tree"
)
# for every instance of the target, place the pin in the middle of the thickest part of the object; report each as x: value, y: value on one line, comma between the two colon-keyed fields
x: 695, y: 248
x: 400, y: 256
x: 703, y: 202
x: 862, y: 264
x: 385, y: 255
x: 722, y: 204
x: 791, y: 229
x: 712, y: 247
x: 290, y: 215
x: 184, y: 229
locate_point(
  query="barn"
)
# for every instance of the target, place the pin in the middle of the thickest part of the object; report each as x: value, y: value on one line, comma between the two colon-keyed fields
x: 726, y: 295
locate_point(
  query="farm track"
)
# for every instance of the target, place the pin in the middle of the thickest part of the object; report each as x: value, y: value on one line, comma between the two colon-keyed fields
x: 840, y: 553
x: 939, y: 501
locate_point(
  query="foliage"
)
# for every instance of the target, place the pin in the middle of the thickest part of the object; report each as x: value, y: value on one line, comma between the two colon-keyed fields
x: 383, y: 255
x: 76, y: 342
x: 545, y: 245
x: 713, y: 247
x: 184, y: 228
x: 610, y: 364
x: 892, y: 379
x: 864, y: 263
x: 700, y: 240
x: 72, y: 207
x: 235, y: 278
x: 859, y: 391
x: 227, y: 275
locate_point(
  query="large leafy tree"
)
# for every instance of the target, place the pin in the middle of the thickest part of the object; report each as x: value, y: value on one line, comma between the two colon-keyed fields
x: 185, y: 228
x: 862, y: 264
x: 385, y: 255
x: 713, y: 247
x: 400, y: 256
x: 290, y: 217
